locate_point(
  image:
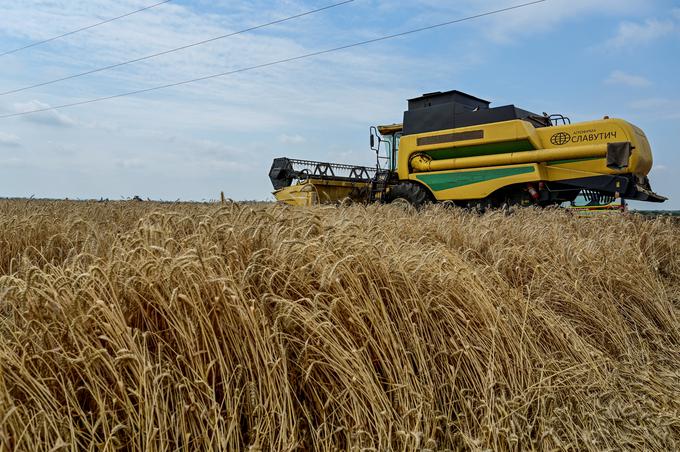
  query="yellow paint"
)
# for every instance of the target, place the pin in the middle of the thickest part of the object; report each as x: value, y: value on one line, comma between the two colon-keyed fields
x: 390, y: 129
x: 554, y: 149
x: 318, y: 191
x: 586, y: 140
x: 421, y: 163
x: 493, y: 133
x: 641, y: 160
x: 483, y: 189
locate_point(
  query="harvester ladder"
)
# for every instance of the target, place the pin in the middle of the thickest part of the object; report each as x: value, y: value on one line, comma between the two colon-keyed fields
x: 379, y: 185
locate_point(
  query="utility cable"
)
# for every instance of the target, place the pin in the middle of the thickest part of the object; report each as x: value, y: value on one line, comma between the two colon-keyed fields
x: 146, y: 8
x: 274, y: 63
x: 177, y: 49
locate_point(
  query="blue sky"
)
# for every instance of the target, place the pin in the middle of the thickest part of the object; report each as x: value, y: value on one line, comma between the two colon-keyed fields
x: 582, y: 58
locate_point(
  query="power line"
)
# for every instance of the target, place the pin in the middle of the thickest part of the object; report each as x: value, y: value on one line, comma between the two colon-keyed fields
x: 146, y: 8
x: 274, y: 63
x: 177, y: 49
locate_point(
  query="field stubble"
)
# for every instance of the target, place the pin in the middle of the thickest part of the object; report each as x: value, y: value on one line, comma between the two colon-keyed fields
x: 160, y: 327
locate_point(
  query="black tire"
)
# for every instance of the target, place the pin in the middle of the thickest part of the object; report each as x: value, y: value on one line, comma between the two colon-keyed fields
x: 414, y: 194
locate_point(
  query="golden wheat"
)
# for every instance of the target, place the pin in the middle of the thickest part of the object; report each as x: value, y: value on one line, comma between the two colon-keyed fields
x: 139, y: 326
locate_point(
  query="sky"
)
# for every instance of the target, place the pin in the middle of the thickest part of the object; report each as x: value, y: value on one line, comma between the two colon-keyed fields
x: 582, y: 58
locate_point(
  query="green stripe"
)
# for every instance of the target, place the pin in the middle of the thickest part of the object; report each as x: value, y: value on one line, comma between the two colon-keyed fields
x: 564, y: 162
x: 482, y: 149
x: 446, y: 181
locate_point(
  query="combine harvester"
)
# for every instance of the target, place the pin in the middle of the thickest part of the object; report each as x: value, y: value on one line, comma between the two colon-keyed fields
x: 453, y: 147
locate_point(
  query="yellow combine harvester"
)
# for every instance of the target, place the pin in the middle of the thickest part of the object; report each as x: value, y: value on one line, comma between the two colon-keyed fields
x: 454, y: 147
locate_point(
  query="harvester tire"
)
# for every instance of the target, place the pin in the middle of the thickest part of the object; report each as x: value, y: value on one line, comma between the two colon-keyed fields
x: 414, y: 194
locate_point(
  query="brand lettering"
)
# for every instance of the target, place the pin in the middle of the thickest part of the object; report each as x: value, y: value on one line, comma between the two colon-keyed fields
x: 585, y: 137
x: 582, y: 136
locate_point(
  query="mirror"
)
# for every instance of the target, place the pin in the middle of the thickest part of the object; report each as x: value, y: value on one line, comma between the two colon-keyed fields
x: 375, y: 140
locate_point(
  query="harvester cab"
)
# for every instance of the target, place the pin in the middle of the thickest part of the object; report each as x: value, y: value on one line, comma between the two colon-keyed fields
x: 455, y: 147
x: 385, y: 144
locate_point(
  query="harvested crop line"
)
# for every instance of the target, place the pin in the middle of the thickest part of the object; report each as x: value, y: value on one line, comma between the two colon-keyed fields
x: 141, y: 326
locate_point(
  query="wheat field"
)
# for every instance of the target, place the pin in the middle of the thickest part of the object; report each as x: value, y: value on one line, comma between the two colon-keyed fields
x: 162, y: 327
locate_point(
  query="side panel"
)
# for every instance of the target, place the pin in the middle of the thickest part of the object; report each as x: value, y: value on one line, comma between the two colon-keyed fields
x: 601, y: 132
x: 517, y: 137
x: 473, y: 184
x: 486, y: 139
x: 476, y: 183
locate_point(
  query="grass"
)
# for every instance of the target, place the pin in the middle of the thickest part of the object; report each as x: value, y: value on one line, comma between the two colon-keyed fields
x: 201, y: 327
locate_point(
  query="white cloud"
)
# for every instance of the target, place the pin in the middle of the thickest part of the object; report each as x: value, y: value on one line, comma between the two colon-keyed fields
x: 292, y: 139
x: 12, y: 162
x: 623, y: 78
x: 652, y: 103
x: 660, y: 108
x: 50, y: 117
x: 508, y: 26
x: 633, y: 34
x: 132, y: 163
x: 9, y: 140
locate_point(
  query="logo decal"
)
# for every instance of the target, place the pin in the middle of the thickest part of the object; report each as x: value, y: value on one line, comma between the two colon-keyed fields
x: 560, y: 139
